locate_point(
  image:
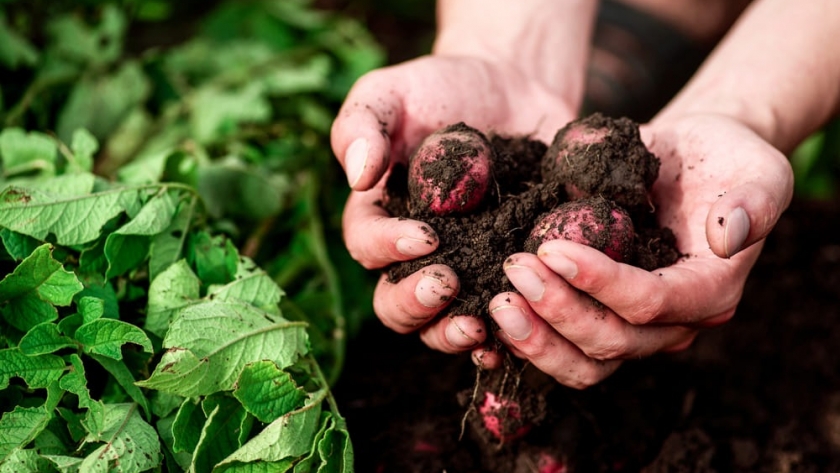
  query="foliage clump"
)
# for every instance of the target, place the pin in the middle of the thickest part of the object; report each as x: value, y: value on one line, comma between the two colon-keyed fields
x: 169, y: 296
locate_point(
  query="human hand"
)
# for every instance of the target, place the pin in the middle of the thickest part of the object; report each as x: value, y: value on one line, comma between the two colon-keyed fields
x: 578, y: 314
x: 384, y: 118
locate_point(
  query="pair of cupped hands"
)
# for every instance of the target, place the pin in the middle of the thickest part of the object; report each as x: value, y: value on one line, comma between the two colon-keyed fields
x: 721, y: 189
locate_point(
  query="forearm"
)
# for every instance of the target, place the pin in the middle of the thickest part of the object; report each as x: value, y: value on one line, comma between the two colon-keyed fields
x: 777, y: 71
x: 547, y: 40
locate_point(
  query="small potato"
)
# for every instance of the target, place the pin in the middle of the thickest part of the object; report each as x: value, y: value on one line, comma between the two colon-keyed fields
x: 602, y: 156
x: 594, y: 221
x: 502, y: 418
x: 450, y: 171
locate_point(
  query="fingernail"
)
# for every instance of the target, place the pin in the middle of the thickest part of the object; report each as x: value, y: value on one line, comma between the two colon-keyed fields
x: 431, y: 292
x: 413, y: 246
x: 457, y: 337
x: 526, y: 281
x: 355, y: 159
x: 513, y: 321
x: 560, y: 264
x: 736, y: 230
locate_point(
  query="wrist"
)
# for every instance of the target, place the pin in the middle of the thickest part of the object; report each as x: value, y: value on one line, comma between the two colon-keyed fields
x: 546, y: 41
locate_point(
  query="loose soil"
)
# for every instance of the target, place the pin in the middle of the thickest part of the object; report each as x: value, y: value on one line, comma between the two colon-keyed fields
x: 758, y: 394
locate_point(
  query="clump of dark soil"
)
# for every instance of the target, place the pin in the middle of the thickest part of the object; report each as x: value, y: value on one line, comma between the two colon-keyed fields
x: 594, y: 156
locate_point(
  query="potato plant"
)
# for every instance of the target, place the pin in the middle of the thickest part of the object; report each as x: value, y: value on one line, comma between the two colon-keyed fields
x: 169, y: 297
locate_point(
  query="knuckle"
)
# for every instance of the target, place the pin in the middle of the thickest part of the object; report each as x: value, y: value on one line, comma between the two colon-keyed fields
x: 582, y: 380
x: 648, y: 310
x: 611, y: 349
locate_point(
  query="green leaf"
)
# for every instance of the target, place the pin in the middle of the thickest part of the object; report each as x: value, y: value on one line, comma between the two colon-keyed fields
x: 41, y: 274
x: 19, y: 427
x: 222, y: 433
x: 84, y: 146
x: 77, y: 41
x: 210, y: 343
x: 125, y: 253
x: 167, y: 247
x: 187, y: 427
x: 267, y: 392
x: 90, y: 308
x: 251, y: 285
x: 214, y: 108
x: 74, y: 220
x: 100, y: 103
x: 38, y: 281
x: 18, y: 246
x: 107, y: 336
x: 15, y: 50
x: 214, y: 257
x: 28, y: 311
x: 76, y: 382
x: 122, y: 374
x: 37, y: 371
x: 25, y: 152
x: 172, y: 461
x: 64, y: 463
x: 172, y: 290
x: 26, y: 461
x: 128, y: 247
x: 44, y: 338
x: 233, y: 188
x: 162, y: 404
x: 131, y: 445
x: 335, y: 450
x: 290, y: 436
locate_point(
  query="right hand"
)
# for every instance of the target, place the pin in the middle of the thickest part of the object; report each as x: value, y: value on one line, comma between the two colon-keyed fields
x: 386, y: 115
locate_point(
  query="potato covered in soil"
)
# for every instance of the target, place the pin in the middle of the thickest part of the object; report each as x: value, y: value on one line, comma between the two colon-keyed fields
x: 595, y: 222
x: 450, y: 171
x: 602, y: 156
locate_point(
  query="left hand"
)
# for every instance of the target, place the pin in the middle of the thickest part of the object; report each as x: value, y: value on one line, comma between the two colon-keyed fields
x: 721, y: 189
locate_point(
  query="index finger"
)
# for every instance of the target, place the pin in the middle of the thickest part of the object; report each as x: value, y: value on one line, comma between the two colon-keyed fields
x: 361, y: 133
x: 701, y: 289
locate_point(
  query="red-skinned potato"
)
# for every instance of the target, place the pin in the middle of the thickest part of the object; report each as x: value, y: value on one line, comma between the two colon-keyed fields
x: 602, y: 156
x: 502, y: 418
x: 450, y: 171
x: 595, y: 222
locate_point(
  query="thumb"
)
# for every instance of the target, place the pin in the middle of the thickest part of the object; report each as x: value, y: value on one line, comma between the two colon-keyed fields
x: 744, y: 216
x: 362, y: 130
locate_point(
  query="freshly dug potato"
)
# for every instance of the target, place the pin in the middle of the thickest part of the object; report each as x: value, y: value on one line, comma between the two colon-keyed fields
x: 602, y: 156
x: 450, y: 172
x: 594, y: 221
